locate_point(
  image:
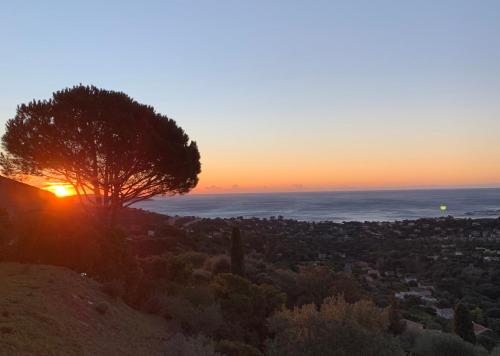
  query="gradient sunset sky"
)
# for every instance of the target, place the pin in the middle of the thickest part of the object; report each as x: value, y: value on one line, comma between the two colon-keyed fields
x: 284, y: 95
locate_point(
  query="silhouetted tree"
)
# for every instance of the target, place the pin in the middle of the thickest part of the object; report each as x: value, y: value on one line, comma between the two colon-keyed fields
x: 111, y: 149
x: 237, y: 254
x: 462, y: 323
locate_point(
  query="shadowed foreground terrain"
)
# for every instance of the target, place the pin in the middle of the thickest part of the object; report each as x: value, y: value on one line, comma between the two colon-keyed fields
x: 46, y: 310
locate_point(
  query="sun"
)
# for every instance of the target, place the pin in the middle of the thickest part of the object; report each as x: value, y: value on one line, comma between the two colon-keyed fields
x: 60, y: 190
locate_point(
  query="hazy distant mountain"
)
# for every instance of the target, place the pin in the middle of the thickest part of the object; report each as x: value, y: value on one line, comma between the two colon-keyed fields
x: 19, y: 197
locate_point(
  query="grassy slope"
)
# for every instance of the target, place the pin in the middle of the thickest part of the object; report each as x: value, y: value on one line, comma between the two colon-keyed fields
x: 47, y: 310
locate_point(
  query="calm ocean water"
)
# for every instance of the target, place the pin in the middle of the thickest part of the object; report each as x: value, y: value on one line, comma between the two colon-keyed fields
x: 335, y: 206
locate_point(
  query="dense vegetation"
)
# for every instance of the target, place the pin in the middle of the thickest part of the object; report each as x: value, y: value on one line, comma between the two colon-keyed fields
x: 233, y: 293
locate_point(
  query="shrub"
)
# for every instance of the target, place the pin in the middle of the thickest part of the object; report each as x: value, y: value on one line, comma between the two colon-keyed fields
x: 337, y: 329
x: 245, y: 307
x: 495, y: 351
x: 488, y: 339
x: 286, y: 281
x: 168, y: 267
x: 493, y: 313
x: 155, y: 304
x: 218, y: 264
x: 102, y: 307
x: 443, y: 344
x: 234, y: 348
x: 255, y: 269
x: 193, y: 319
x: 138, y: 288
x: 180, y: 345
x: 314, y: 284
x: 198, y: 296
x: 193, y: 258
x: 201, y: 276
x: 113, y: 288
x: 115, y: 259
x: 494, y: 324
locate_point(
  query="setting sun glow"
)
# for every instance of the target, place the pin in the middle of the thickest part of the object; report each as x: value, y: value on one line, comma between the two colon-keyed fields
x: 60, y: 190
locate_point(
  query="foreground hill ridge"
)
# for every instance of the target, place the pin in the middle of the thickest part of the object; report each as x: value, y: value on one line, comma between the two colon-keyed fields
x: 48, y: 310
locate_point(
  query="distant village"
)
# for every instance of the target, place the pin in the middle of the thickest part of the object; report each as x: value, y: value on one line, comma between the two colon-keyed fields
x: 425, y: 265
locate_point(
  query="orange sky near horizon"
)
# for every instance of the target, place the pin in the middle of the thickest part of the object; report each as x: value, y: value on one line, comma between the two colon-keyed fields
x: 352, y: 175
x: 362, y: 161
x: 388, y: 166
x: 390, y: 158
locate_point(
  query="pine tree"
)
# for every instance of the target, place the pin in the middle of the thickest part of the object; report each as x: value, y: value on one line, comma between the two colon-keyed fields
x: 462, y: 324
x: 237, y: 254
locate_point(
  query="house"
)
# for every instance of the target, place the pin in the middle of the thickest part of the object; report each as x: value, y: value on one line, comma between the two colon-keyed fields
x: 348, y: 268
x: 410, y: 279
x: 479, y: 329
x: 429, y: 300
x: 373, y: 273
x: 322, y: 256
x: 424, y: 294
x: 426, y: 286
x: 445, y: 313
x: 362, y: 265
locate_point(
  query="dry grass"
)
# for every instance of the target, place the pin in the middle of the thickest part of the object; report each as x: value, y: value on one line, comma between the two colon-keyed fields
x: 47, y: 310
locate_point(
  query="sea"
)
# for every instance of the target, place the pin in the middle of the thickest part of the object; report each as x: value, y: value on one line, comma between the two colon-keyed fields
x: 338, y: 206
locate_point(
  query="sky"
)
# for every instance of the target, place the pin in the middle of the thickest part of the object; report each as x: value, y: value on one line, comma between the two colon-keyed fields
x: 284, y: 95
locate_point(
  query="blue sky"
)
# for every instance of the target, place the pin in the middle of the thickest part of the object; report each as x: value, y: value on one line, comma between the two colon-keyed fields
x: 284, y: 94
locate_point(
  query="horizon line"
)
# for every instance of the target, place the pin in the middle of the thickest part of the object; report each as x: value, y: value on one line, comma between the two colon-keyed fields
x: 467, y: 187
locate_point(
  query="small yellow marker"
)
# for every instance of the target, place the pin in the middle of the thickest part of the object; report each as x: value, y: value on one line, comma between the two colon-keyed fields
x: 442, y: 207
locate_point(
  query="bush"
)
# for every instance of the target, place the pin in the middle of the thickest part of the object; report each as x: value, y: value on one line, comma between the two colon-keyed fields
x: 102, y: 307
x: 193, y: 258
x: 245, y: 307
x: 495, y: 351
x: 233, y: 348
x: 493, y: 313
x: 218, y: 264
x: 443, y: 344
x: 47, y: 238
x: 198, y: 296
x: 337, y: 329
x: 168, y: 267
x: 155, y: 304
x: 113, y: 288
x: 314, y: 284
x: 138, y: 288
x: 201, y: 276
x: 193, y: 319
x: 180, y: 345
x: 494, y: 324
x: 115, y: 259
x: 488, y: 339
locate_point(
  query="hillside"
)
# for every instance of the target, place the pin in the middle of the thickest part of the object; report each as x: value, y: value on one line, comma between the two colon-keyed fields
x: 47, y: 310
x: 17, y: 197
